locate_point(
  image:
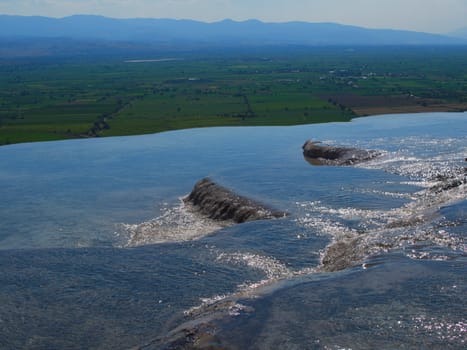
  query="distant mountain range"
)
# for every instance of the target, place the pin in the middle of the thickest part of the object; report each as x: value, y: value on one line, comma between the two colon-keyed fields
x: 460, y: 33
x: 227, y: 32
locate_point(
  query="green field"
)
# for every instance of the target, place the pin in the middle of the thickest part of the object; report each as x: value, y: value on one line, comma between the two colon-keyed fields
x: 52, y: 100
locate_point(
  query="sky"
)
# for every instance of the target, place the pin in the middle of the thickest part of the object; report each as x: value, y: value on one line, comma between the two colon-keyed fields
x: 433, y: 16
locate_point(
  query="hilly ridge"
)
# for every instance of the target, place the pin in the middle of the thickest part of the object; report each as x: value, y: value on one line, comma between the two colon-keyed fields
x: 460, y: 33
x: 226, y: 32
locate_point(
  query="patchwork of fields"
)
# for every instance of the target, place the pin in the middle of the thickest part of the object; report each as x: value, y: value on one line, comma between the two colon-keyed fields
x: 55, y: 100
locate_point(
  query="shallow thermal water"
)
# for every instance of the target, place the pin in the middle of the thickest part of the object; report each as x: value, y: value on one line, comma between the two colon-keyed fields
x: 98, y: 251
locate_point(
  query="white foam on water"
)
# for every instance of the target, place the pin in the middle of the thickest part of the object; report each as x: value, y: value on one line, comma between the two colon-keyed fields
x: 442, y: 181
x: 273, y: 269
x: 421, y: 159
x: 327, y: 220
x: 428, y: 202
x: 398, y: 228
x: 176, y: 224
x: 388, y: 193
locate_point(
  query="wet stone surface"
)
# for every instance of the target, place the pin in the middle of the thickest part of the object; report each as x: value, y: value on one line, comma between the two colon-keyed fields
x: 320, y: 154
x: 221, y: 204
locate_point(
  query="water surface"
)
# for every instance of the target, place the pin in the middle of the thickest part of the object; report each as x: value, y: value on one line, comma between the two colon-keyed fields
x: 98, y: 251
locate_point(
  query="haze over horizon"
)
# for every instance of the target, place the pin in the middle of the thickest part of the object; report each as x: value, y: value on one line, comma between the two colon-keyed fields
x: 431, y: 16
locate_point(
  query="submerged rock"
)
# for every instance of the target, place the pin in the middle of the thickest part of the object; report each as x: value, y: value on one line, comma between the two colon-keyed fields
x: 447, y: 182
x: 221, y: 204
x: 318, y: 154
x: 341, y: 255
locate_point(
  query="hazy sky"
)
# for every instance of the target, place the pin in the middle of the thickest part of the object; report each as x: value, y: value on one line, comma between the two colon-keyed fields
x: 436, y: 16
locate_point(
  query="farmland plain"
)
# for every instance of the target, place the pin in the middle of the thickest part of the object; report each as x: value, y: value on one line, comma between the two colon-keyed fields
x: 53, y: 99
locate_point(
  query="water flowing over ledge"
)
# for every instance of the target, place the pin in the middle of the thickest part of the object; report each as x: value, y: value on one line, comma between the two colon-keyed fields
x: 382, y: 242
x: 407, y: 228
x: 318, y: 154
x: 208, y: 208
x: 221, y: 204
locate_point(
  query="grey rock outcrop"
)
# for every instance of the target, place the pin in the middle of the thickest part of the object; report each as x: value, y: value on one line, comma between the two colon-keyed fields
x: 318, y: 154
x: 450, y: 181
x: 221, y: 204
x: 342, y: 254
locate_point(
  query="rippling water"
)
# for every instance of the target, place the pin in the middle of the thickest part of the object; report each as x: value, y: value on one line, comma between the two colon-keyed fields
x: 97, y: 249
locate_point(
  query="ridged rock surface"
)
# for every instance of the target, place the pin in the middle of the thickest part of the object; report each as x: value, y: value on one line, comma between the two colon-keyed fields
x: 318, y: 154
x: 221, y: 204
